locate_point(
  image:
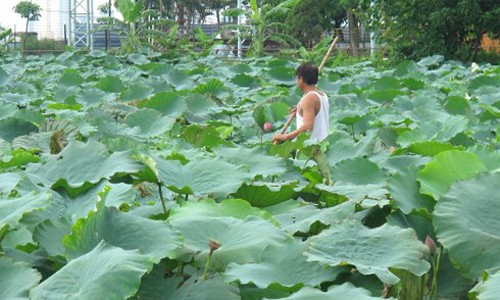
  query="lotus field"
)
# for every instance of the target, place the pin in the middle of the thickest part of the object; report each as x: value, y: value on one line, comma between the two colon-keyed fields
x: 140, y: 178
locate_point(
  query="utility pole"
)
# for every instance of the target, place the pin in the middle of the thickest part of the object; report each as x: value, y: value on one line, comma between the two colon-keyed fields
x: 238, y: 5
x: 81, y: 19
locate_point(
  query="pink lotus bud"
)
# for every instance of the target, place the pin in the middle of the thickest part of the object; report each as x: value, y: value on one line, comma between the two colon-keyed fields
x: 429, y: 242
x: 213, y: 245
x: 267, y: 126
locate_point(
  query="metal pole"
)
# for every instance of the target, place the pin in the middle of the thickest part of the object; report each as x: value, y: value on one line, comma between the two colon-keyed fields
x: 70, y: 25
x: 238, y: 5
x: 372, y: 33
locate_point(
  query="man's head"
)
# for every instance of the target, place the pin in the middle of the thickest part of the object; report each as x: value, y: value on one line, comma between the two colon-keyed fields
x: 307, y: 73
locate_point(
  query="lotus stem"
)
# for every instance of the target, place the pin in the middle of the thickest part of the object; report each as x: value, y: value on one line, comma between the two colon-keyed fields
x: 207, y: 265
x: 162, y: 199
x: 435, y: 271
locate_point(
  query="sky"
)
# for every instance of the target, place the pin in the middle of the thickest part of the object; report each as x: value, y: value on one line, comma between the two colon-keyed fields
x: 9, y: 19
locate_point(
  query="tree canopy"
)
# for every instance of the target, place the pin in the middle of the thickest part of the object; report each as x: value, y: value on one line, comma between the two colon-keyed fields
x: 28, y: 10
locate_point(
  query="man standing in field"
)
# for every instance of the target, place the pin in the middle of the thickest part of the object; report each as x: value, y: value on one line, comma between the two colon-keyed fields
x: 312, y: 111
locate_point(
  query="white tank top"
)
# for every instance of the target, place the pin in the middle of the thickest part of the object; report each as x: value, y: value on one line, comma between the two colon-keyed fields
x: 321, y: 127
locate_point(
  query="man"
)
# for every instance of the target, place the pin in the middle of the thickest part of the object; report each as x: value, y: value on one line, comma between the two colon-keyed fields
x: 312, y: 111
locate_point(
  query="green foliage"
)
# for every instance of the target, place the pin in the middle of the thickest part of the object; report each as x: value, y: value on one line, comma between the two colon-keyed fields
x: 28, y: 10
x: 139, y: 177
x: 417, y: 29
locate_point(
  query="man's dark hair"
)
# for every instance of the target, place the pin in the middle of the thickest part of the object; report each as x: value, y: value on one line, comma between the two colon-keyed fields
x: 308, y: 72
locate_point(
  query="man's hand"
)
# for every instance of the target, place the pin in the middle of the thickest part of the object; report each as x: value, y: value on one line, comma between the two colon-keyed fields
x: 279, y: 138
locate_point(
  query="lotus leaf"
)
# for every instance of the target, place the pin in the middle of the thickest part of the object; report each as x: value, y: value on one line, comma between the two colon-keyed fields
x: 467, y: 224
x: 16, y: 279
x: 282, y: 264
x: 371, y: 251
x: 154, y: 239
x: 241, y: 241
x: 201, y: 177
x: 12, y: 210
x: 447, y: 167
x: 80, y: 163
x: 106, y: 272
x: 344, y: 291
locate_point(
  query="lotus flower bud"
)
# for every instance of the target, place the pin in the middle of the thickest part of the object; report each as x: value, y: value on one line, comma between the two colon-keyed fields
x: 429, y: 242
x: 267, y: 126
x: 213, y: 245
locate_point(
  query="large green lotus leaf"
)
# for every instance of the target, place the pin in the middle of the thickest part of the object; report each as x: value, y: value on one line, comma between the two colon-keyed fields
x: 168, y: 103
x: 359, y: 171
x: 199, y: 108
x: 356, y: 193
x: 16, y: 279
x: 263, y: 194
x: 488, y: 289
x: 213, y: 87
x: 399, y: 163
x: 442, y: 130
x: 111, y: 84
x: 236, y: 208
x: 71, y: 77
x: 201, y: 177
x: 466, y: 222
x: 8, y: 182
x: 297, y: 217
x: 138, y: 59
x: 80, y: 205
x: 342, y: 292
x: 241, y: 241
x: 180, y: 80
x: 106, y: 272
x: 155, y: 286
x: 406, y: 68
x: 80, y: 163
x: 93, y: 97
x: 149, y: 123
x: 254, y: 161
x: 386, y: 83
x: 11, y: 127
x: 284, y: 265
x: 282, y: 75
x: 50, y: 233
x: 488, y: 155
x: 484, y: 80
x: 371, y: 251
x: 18, y: 237
x: 203, y: 136
x: 12, y: 210
x: 7, y: 110
x: 4, y: 77
x: 156, y: 239
x: 246, y: 81
x: 446, y: 168
x: 457, y: 105
x: 137, y: 91
x: 405, y: 191
x: 431, y: 148
x: 19, y: 157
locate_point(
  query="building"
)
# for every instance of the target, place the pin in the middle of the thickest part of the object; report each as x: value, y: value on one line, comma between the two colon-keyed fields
x: 54, y: 18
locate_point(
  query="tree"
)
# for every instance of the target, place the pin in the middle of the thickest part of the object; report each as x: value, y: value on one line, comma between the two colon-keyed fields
x: 310, y: 18
x: 265, y: 29
x: 415, y: 29
x: 28, y: 10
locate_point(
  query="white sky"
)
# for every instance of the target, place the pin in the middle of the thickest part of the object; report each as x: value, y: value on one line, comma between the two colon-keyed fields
x: 9, y: 19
